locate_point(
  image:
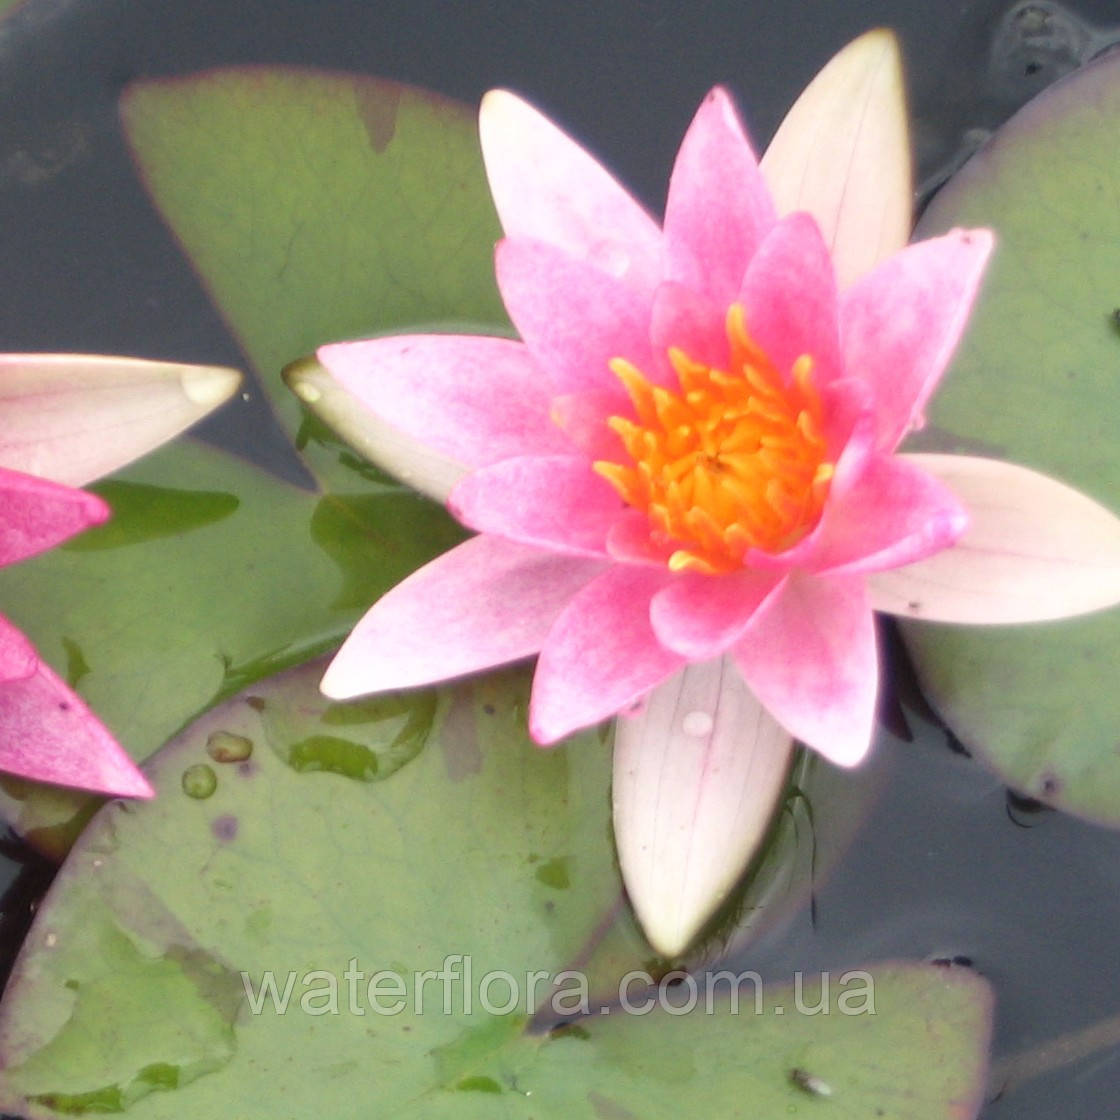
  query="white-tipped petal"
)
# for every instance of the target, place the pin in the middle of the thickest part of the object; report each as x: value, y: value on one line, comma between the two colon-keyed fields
x: 1035, y: 549
x: 375, y: 440
x: 843, y: 154
x: 698, y: 774
x: 72, y: 418
x: 546, y: 187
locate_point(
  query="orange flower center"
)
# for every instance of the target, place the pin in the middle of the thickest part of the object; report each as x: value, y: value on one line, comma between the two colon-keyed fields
x: 733, y: 461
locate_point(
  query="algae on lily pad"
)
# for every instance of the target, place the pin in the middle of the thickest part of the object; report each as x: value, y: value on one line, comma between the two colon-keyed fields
x: 412, y: 938
x: 1037, y: 381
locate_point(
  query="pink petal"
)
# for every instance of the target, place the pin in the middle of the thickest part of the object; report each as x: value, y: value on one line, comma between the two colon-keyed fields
x: 377, y: 441
x: 809, y: 655
x: 600, y: 655
x: 48, y: 734
x: 789, y: 299
x: 555, y: 502
x: 699, y: 772
x: 18, y: 658
x: 700, y: 616
x: 847, y: 406
x: 719, y: 208
x: 629, y: 541
x: 685, y: 320
x: 582, y: 417
x: 474, y: 399
x: 75, y: 417
x: 1035, y: 549
x: 895, y: 514
x: 900, y: 324
x: 487, y: 602
x: 843, y: 154
x: 573, y: 317
x: 36, y: 514
x: 547, y: 188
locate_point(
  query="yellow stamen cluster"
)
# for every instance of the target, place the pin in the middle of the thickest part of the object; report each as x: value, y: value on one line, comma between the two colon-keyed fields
x: 734, y: 461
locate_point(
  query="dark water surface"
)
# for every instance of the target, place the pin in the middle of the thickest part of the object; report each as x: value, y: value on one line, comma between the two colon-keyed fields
x: 946, y: 867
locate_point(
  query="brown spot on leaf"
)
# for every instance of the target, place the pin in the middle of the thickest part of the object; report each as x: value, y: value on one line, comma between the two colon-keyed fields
x: 377, y: 106
x: 224, y: 828
x: 1050, y: 785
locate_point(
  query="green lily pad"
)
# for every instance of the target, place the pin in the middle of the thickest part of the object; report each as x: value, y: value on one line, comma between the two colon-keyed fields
x: 1036, y: 382
x: 318, y: 206
x: 285, y: 940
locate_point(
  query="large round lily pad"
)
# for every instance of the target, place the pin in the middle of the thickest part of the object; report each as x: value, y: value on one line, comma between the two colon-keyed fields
x: 393, y: 908
x: 1037, y: 381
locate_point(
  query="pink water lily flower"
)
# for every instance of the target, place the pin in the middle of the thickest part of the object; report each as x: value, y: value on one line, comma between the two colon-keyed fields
x: 684, y: 474
x: 64, y: 420
x: 690, y: 451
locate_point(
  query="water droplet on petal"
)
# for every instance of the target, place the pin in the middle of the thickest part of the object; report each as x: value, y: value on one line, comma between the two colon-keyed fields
x: 697, y: 724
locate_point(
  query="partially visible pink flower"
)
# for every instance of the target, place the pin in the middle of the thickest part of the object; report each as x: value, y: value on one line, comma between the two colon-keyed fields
x: 46, y: 731
x: 68, y: 419
x: 688, y: 460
